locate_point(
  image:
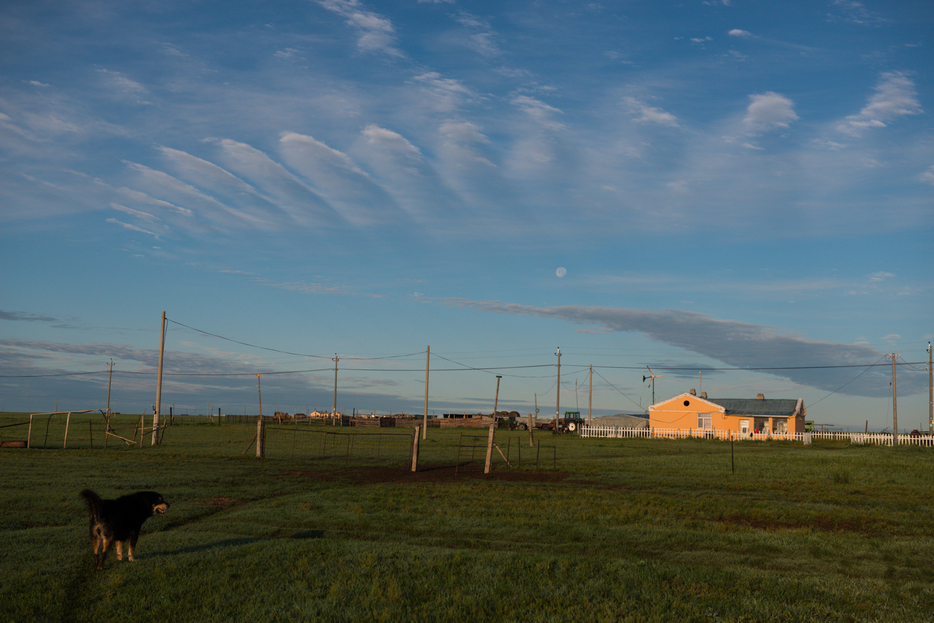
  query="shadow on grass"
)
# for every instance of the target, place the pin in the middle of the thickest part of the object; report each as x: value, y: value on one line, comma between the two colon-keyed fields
x: 79, y: 590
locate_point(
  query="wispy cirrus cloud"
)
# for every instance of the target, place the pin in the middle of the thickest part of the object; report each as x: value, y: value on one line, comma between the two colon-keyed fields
x: 123, y: 86
x: 358, y: 198
x: 375, y: 33
x: 24, y: 317
x: 853, y: 12
x: 305, y: 206
x: 537, y: 110
x: 132, y: 227
x: 895, y: 96
x: 649, y: 114
x: 482, y: 39
x: 401, y: 169
x: 928, y: 176
x: 146, y: 216
x: 443, y: 94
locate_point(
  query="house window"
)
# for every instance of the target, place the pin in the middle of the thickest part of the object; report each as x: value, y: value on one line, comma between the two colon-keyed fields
x: 703, y: 421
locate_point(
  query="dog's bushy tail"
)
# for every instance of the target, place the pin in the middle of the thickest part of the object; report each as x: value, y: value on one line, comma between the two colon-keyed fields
x: 93, y: 501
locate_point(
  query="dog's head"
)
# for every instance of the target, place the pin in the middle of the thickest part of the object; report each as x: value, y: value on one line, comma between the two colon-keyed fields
x: 156, y: 502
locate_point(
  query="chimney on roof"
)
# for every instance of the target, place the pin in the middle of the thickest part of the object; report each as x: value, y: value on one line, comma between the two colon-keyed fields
x: 703, y: 395
x: 693, y: 392
x: 760, y: 396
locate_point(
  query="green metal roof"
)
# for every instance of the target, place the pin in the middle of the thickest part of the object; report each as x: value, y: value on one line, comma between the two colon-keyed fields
x: 747, y: 406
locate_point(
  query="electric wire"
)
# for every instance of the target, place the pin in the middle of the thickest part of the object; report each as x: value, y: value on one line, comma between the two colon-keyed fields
x: 845, y: 384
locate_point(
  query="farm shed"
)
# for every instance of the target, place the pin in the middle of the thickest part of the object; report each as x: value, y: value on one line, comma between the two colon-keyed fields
x: 740, y: 415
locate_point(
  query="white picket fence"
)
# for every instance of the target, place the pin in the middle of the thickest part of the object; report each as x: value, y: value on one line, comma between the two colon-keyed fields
x: 834, y: 435
x: 617, y: 432
x: 885, y: 439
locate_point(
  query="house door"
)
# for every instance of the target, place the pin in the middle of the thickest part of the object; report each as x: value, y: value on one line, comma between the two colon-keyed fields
x: 744, y: 427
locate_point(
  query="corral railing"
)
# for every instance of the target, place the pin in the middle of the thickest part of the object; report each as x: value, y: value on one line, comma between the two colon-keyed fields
x: 618, y: 432
x: 322, y: 444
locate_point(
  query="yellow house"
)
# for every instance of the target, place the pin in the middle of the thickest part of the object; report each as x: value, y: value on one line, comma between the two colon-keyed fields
x: 739, y: 415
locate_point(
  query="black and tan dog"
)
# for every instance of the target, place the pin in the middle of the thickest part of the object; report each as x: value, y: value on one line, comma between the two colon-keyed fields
x: 120, y: 520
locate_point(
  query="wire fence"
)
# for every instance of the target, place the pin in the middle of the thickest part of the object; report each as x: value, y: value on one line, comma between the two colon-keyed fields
x: 319, y: 444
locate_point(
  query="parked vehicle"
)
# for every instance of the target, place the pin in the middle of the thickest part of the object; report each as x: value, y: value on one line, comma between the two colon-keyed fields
x: 512, y: 421
x: 570, y: 423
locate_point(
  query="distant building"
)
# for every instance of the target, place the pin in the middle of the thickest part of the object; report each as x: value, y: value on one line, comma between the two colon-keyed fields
x: 740, y: 415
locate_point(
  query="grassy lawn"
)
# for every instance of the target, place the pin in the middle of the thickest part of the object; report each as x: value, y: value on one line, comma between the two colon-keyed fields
x: 621, y: 530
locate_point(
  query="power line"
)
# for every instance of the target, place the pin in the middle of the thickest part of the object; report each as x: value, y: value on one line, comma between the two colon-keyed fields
x: 620, y: 391
x: 228, y: 339
x: 466, y: 368
x: 847, y: 383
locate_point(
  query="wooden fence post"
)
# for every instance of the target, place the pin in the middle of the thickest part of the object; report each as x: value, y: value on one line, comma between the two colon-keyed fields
x: 260, y: 439
x: 489, y: 450
x: 415, y: 450
x: 67, y: 424
x: 531, y: 426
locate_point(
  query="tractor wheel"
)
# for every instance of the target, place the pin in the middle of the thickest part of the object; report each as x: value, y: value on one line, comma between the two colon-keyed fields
x: 572, y: 426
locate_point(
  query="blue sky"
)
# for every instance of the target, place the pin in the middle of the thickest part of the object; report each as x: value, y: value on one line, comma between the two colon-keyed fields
x: 740, y: 193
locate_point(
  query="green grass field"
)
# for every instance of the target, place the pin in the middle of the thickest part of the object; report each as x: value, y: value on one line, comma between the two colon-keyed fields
x: 621, y: 530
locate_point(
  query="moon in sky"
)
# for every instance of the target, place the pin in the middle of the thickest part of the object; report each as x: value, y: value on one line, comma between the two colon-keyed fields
x: 561, y: 272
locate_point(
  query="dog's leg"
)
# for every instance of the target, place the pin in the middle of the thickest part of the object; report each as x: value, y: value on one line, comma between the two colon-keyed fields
x: 132, y: 545
x: 104, y: 548
x: 120, y: 551
x: 96, y: 545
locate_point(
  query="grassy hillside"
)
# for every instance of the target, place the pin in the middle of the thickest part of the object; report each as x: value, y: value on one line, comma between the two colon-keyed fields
x: 622, y: 530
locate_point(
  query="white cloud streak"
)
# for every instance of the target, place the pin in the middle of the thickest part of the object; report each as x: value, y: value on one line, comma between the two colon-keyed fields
x: 375, y: 33
x: 895, y: 96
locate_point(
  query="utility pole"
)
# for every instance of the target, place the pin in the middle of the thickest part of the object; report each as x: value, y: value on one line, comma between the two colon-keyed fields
x: 590, y: 399
x: 930, y: 393
x: 155, y: 413
x: 109, y: 380
x: 259, y: 388
x: 558, y: 388
x: 336, y: 359
x: 496, y: 400
x: 425, y: 422
x: 894, y: 405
